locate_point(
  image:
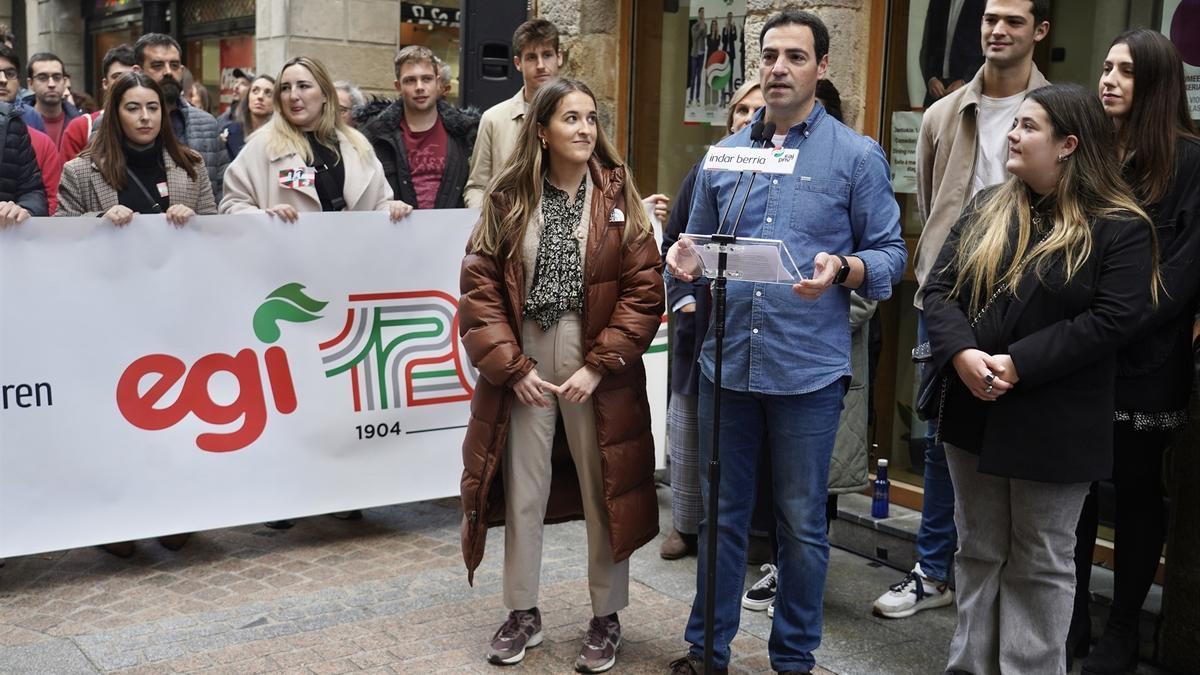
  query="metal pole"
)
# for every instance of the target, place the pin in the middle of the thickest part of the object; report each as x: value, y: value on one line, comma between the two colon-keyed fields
x: 714, y: 461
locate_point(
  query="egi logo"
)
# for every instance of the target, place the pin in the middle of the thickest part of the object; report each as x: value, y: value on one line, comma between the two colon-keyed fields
x: 140, y: 408
x: 401, y: 346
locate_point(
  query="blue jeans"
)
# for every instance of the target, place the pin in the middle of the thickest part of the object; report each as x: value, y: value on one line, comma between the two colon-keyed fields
x: 799, y: 432
x: 936, y: 538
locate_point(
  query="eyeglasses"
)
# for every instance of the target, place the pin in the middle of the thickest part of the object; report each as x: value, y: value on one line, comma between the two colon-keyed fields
x: 43, y: 78
x: 9, y: 73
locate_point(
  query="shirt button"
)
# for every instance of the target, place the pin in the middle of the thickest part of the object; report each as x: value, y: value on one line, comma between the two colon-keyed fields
x: 774, y: 181
x: 758, y: 294
x: 754, y: 330
x: 768, y: 219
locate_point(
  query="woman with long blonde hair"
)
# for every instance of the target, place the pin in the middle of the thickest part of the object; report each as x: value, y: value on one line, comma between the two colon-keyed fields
x: 1037, y: 286
x: 561, y: 295
x: 306, y: 158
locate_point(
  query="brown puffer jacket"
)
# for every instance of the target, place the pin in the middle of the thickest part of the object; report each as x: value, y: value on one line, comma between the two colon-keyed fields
x: 622, y: 308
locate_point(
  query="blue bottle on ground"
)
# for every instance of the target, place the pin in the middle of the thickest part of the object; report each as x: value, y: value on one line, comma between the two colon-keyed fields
x: 879, y: 503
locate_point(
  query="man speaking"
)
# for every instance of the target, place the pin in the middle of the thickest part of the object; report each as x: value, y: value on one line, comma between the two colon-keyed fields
x: 787, y: 349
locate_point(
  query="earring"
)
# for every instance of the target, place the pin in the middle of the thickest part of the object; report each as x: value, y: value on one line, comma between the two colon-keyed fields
x: 1062, y: 158
x: 544, y: 145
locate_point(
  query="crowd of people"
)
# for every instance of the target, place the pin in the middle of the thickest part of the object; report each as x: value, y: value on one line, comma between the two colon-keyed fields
x: 1057, y: 313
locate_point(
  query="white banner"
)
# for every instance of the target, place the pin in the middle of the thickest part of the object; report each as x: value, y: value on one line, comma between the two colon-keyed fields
x: 237, y: 370
x: 758, y: 160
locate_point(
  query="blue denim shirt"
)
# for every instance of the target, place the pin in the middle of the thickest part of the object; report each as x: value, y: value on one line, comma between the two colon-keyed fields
x: 838, y: 199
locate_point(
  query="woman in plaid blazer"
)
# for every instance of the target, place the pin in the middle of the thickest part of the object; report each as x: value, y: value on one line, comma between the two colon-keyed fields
x: 135, y: 164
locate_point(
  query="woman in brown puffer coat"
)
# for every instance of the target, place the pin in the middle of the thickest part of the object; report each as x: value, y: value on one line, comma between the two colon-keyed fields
x: 561, y: 294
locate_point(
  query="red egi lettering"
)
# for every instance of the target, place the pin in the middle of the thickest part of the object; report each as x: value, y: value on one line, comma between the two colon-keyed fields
x: 250, y: 405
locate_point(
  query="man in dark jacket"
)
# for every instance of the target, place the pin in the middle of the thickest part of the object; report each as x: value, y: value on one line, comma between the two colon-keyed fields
x: 423, y: 142
x: 21, y: 192
x: 159, y: 56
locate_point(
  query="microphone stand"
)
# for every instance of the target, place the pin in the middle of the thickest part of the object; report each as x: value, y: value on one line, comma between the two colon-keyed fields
x: 724, y: 243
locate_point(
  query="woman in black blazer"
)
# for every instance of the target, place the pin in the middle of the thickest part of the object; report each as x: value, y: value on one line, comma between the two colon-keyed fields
x: 1035, y: 290
x: 1160, y: 152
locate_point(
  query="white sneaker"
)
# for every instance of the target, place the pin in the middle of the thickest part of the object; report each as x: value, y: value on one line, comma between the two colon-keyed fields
x: 762, y: 593
x: 914, y: 593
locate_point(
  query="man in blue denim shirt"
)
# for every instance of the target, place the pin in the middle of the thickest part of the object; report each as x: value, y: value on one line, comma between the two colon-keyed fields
x: 787, y: 349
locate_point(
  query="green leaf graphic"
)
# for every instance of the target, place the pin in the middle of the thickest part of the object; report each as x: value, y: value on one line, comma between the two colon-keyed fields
x: 295, y: 293
x: 286, y: 303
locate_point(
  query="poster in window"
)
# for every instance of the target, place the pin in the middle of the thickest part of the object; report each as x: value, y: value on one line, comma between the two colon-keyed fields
x: 1181, y: 23
x: 716, y: 58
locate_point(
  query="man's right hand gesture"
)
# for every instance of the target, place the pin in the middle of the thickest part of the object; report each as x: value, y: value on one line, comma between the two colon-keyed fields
x: 682, y: 262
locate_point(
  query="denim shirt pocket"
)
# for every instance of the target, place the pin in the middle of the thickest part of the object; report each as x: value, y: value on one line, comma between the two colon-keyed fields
x: 820, y: 206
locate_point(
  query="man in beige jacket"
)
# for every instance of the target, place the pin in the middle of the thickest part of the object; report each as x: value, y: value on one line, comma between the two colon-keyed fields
x: 963, y: 148
x: 537, y: 54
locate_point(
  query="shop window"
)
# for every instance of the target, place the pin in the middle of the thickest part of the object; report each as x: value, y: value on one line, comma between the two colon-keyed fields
x: 207, y: 11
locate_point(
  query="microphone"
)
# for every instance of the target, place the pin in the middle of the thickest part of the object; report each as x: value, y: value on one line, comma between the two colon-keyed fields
x: 756, y: 134
x: 767, y: 133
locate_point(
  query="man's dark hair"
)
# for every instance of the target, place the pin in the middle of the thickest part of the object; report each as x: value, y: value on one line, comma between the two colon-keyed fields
x: 153, y: 40
x: 1041, y: 11
x: 796, y: 16
x: 40, y: 57
x: 11, y: 55
x: 534, y: 32
x: 122, y: 54
x: 6, y: 35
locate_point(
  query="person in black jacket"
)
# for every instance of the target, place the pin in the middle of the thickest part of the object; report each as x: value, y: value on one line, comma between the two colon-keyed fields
x: 1161, y: 154
x: 1038, y: 285
x: 688, y: 304
x: 423, y: 142
x: 21, y: 191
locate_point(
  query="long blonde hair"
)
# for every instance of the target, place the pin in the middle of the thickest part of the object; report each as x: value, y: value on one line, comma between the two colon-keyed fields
x: 501, y: 233
x: 284, y: 138
x: 1090, y: 187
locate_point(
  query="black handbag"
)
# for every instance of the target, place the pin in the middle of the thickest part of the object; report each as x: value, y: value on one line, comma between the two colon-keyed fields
x: 931, y: 392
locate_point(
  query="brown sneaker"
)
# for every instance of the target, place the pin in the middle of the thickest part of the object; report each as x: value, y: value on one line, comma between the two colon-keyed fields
x: 599, y: 651
x: 677, y: 545
x: 521, y: 630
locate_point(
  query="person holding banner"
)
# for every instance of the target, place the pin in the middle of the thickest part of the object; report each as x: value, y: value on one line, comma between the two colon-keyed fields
x: 306, y: 158
x: 1143, y: 92
x: 134, y: 164
x: 561, y: 296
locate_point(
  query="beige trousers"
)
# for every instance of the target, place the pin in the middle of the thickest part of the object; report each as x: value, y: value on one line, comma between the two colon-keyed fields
x: 527, y: 471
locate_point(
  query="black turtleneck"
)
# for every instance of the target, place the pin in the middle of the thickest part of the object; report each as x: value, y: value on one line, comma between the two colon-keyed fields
x: 145, y: 163
x: 331, y: 175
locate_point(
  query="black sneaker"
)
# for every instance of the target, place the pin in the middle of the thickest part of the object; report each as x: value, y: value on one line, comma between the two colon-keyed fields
x: 762, y: 593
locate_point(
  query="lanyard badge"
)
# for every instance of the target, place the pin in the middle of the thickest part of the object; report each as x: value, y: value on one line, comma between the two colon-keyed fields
x: 300, y: 177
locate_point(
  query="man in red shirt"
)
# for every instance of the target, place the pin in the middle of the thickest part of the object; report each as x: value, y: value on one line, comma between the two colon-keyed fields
x: 423, y: 142
x: 50, y: 162
x: 117, y: 61
x: 47, y: 79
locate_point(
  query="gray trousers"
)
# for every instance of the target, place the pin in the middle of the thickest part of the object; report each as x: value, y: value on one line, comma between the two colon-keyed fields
x: 527, y: 473
x: 1015, y: 570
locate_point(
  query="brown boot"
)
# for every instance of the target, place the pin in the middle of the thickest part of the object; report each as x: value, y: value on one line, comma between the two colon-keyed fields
x: 677, y: 545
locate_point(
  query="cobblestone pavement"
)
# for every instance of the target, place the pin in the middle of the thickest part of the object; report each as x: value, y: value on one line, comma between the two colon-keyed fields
x: 388, y: 594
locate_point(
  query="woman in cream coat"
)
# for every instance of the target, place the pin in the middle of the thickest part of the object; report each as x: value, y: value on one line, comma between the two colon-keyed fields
x: 306, y: 158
